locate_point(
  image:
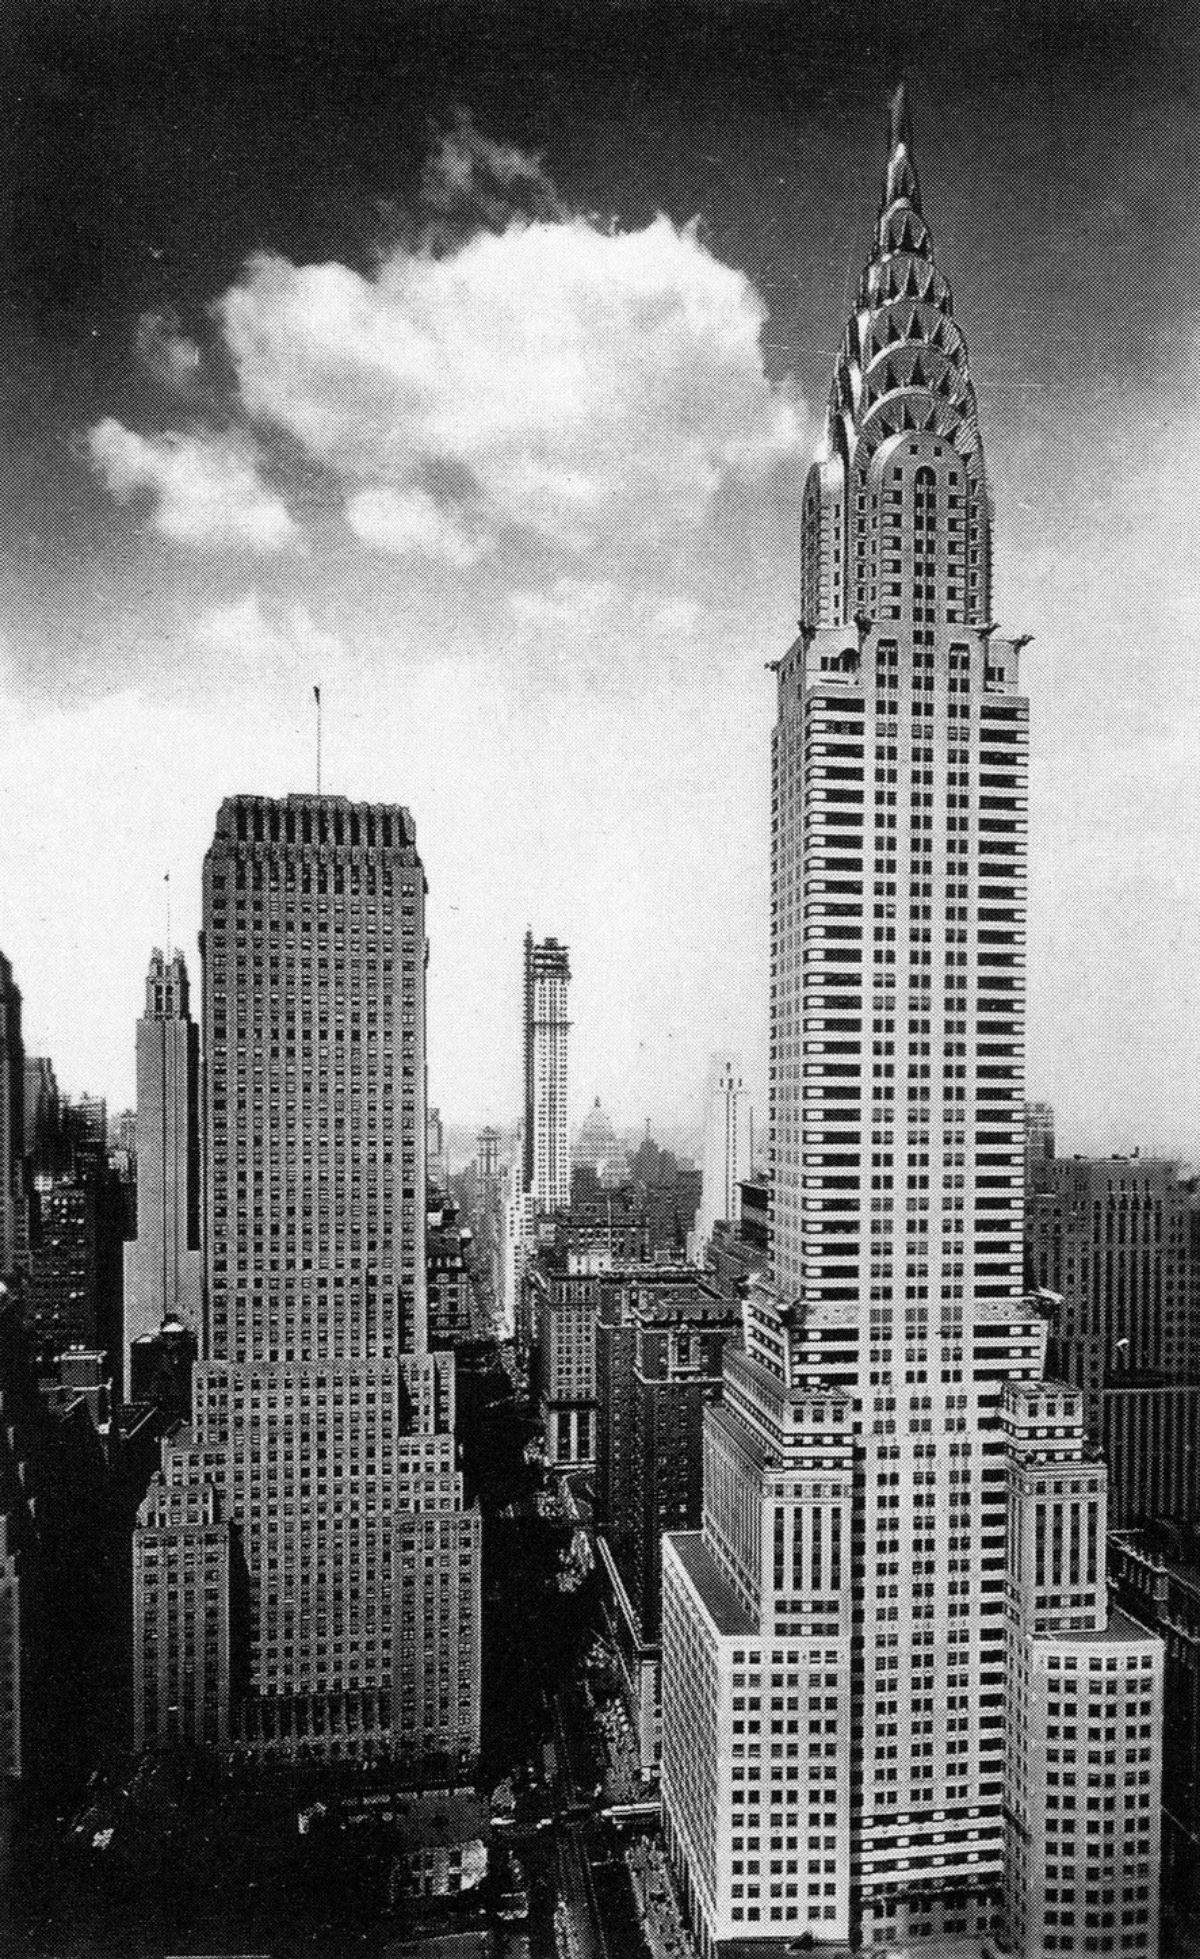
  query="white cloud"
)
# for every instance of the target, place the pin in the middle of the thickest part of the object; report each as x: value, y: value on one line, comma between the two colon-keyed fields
x: 469, y: 172
x: 411, y: 523
x: 167, y: 353
x: 206, y: 488
x: 592, y: 387
x: 245, y: 642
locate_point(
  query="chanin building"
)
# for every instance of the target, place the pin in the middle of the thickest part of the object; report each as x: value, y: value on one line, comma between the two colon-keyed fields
x: 320, y: 1471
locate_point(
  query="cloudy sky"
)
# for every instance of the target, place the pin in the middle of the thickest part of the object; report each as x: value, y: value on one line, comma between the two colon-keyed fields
x: 465, y: 361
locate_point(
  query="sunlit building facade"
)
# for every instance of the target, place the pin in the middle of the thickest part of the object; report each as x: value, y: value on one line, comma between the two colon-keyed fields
x: 867, y: 1647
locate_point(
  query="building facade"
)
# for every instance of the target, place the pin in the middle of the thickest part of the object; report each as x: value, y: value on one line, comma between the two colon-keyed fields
x: 13, y: 1213
x: 43, y: 1114
x: 322, y: 1439
x: 1114, y: 1239
x: 561, y: 1311
x: 862, y: 1743
x: 1039, y: 1146
x: 163, y: 1278
x: 545, y: 1138
x: 659, y: 1343
x: 1155, y: 1578
x: 728, y: 1143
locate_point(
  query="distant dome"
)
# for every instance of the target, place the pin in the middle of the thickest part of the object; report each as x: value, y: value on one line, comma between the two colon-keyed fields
x: 596, y: 1146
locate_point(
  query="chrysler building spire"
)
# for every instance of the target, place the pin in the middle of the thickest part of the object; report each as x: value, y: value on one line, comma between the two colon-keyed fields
x: 901, y: 183
x: 901, y: 369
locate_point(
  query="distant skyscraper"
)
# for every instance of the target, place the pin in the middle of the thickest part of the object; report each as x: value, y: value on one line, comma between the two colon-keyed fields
x: 727, y: 1134
x: 13, y: 1218
x: 43, y: 1116
x: 162, y: 1264
x: 487, y: 1154
x: 887, y: 1651
x: 1039, y: 1145
x: 437, y: 1168
x: 546, y: 1144
x: 322, y: 1448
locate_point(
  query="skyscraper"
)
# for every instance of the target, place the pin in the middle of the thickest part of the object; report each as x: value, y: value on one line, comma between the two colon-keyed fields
x: 726, y: 1147
x: 162, y: 1264
x: 887, y: 1649
x: 322, y: 1450
x: 547, y: 1149
x: 13, y: 1218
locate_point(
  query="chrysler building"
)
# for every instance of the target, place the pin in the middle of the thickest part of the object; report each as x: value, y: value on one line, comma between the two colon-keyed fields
x: 898, y: 1713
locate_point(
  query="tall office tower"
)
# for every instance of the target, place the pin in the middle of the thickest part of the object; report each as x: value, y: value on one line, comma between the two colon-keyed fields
x: 876, y: 1721
x: 162, y: 1264
x: 322, y: 1448
x: 546, y: 1144
x: 726, y: 1147
x: 13, y: 1211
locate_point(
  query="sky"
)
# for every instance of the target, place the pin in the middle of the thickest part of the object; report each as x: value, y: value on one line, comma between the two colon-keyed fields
x: 466, y: 361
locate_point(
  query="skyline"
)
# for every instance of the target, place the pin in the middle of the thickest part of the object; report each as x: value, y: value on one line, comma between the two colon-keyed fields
x: 497, y: 647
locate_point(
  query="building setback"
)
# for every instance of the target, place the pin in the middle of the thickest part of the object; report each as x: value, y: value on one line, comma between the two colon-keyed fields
x: 887, y: 1647
x: 314, y: 1508
x: 547, y: 1149
x: 163, y: 1278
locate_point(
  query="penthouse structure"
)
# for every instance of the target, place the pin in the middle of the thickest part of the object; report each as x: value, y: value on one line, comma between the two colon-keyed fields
x: 318, y: 1483
x: 891, y: 1686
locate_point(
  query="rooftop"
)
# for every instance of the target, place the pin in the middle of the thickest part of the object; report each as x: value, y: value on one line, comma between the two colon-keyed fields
x: 729, y: 1616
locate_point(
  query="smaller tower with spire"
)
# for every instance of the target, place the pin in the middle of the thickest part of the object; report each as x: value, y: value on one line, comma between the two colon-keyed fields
x: 162, y: 1264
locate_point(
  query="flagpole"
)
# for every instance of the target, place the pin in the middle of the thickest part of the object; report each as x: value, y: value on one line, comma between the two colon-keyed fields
x: 317, y: 698
x: 167, y: 882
